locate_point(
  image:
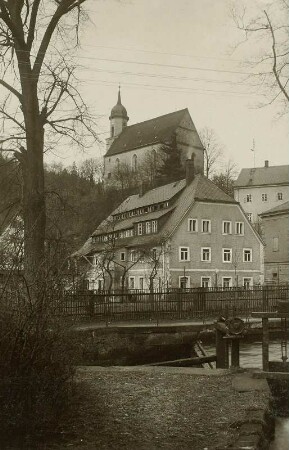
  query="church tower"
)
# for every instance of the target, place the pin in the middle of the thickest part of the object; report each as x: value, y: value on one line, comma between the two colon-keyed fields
x: 118, y: 118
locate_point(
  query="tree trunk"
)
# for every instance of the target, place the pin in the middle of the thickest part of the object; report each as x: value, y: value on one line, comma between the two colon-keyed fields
x: 34, y: 213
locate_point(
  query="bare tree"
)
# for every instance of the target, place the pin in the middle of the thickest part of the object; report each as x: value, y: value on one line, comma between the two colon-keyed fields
x: 226, y: 177
x: 38, y: 75
x: 150, y: 167
x: 213, y: 150
x: 92, y: 169
x: 268, y: 30
x: 124, y: 177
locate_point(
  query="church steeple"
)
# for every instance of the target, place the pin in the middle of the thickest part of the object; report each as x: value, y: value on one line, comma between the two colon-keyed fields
x: 118, y: 117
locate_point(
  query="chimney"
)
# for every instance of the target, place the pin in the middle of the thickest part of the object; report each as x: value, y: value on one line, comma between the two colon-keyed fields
x: 266, y: 163
x: 141, y: 189
x: 190, y: 170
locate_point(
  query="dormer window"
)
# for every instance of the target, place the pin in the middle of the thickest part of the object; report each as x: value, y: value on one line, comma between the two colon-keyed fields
x: 154, y: 226
x: 148, y: 227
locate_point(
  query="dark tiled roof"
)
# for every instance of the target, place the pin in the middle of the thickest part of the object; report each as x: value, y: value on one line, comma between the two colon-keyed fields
x: 157, y: 195
x: 206, y: 190
x: 109, y: 225
x: 153, y: 131
x: 263, y: 175
x: 201, y: 189
x: 284, y: 207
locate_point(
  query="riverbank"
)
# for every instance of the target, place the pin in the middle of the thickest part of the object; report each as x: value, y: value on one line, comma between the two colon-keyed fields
x: 166, y: 408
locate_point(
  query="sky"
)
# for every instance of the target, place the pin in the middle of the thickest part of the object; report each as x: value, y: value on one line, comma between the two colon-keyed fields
x: 169, y: 55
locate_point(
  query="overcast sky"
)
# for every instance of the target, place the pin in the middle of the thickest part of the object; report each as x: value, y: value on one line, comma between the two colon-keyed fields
x: 168, y: 55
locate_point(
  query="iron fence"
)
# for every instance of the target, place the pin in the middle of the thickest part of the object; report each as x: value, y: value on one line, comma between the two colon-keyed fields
x: 196, y: 303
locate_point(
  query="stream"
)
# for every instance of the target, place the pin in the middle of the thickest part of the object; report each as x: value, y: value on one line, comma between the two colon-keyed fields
x: 251, y: 356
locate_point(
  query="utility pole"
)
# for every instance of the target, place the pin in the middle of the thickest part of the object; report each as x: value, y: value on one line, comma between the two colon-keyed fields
x: 253, y: 150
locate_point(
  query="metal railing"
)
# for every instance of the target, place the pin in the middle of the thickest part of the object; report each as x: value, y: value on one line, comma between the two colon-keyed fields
x: 197, y: 303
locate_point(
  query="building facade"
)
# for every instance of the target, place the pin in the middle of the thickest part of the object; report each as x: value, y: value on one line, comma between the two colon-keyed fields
x: 133, y: 145
x: 185, y: 234
x: 262, y: 188
x: 275, y: 225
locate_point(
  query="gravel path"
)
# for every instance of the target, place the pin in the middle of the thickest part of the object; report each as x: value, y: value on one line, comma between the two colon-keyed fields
x: 156, y: 408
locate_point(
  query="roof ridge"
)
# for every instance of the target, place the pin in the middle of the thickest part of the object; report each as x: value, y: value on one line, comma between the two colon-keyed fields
x: 154, y: 118
x: 265, y: 168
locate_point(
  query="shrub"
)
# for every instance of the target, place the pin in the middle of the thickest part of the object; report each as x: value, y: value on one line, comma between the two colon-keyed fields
x: 37, y: 356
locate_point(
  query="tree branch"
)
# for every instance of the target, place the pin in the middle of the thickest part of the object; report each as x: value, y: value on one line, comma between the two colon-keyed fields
x: 32, y: 24
x: 12, y: 89
x: 275, y: 72
x: 64, y: 7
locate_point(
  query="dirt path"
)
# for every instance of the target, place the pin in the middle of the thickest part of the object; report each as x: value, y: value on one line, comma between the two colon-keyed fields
x: 157, y: 408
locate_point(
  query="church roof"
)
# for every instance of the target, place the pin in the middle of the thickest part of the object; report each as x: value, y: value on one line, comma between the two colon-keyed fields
x: 261, y: 176
x: 158, y: 130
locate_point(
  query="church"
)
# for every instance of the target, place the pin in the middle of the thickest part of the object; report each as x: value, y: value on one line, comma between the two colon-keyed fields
x: 131, y: 145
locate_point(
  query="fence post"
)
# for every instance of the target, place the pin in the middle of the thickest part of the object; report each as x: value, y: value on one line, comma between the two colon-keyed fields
x: 265, y: 298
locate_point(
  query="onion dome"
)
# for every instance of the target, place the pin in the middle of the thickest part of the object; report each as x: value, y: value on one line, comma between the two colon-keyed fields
x: 118, y: 110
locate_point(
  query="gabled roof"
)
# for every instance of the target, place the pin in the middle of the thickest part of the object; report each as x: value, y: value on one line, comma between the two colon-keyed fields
x: 280, y: 209
x: 200, y: 189
x: 109, y: 225
x: 157, y: 195
x: 261, y: 176
x: 158, y: 130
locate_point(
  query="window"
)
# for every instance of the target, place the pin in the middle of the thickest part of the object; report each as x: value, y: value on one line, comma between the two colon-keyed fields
x: 109, y: 175
x: 131, y: 283
x: 134, y: 163
x: 184, y: 282
x: 141, y: 283
x: 206, y: 282
x: 139, y: 228
x: 94, y: 260
x: 112, y: 131
x: 184, y: 254
x: 148, y: 227
x: 279, y: 196
x: 227, y: 282
x: 249, y: 215
x: 239, y: 228
x: 193, y: 225
x: 247, y: 282
x: 206, y: 226
x: 248, y: 198
x: 247, y: 255
x: 154, y: 254
x: 206, y: 254
x: 227, y: 227
x: 264, y: 197
x: 100, y: 284
x: 122, y: 256
x: 133, y: 256
x: 227, y: 255
x: 275, y: 244
x: 154, y: 226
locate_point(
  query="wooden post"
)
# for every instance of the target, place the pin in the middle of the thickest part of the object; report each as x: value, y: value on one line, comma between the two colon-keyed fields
x: 221, y: 351
x: 265, y: 344
x: 235, y: 355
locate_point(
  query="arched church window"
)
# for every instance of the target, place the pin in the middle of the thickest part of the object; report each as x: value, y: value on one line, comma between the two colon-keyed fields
x: 117, y: 163
x: 112, y: 130
x: 134, y: 162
